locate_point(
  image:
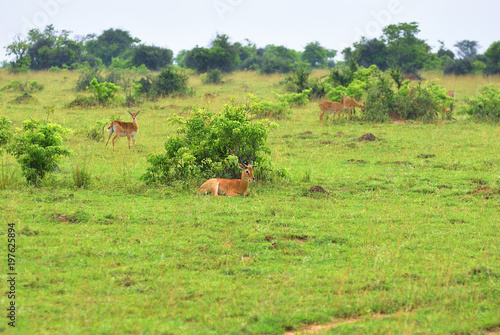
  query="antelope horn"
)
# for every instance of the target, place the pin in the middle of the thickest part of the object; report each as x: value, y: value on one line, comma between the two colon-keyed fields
x: 241, y: 162
x: 249, y: 161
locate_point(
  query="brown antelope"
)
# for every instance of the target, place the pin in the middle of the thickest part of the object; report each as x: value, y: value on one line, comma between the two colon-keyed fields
x: 451, y: 94
x: 129, y: 129
x: 210, y: 96
x: 230, y: 187
x: 332, y: 106
x: 350, y: 103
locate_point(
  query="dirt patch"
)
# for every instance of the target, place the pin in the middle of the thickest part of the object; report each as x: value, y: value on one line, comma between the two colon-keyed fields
x: 306, y: 133
x: 325, y: 142
x: 318, y: 189
x: 315, y: 329
x: 358, y: 161
x: 367, y: 137
x: 173, y: 106
x: 339, y: 133
x: 424, y: 156
x: 482, y: 189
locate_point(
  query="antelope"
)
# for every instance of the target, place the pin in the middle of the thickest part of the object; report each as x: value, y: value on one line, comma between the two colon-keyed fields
x: 210, y: 96
x: 350, y: 103
x: 230, y: 187
x: 129, y: 129
x: 334, y: 107
x: 451, y: 94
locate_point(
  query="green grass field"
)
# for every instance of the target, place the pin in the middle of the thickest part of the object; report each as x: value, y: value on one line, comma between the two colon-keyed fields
x: 404, y: 241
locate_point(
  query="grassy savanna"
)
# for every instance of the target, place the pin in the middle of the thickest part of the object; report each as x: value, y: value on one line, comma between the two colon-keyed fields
x: 405, y: 241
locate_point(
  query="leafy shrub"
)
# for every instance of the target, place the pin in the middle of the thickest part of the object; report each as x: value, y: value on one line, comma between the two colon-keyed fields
x: 38, y: 148
x: 83, y: 101
x: 486, y: 106
x: 86, y: 77
x: 213, y: 77
x: 422, y: 102
x: 26, y: 87
x: 210, y: 145
x: 104, y: 92
x: 263, y: 109
x: 298, y: 80
x: 170, y: 81
x: 24, y: 98
x: 295, y: 99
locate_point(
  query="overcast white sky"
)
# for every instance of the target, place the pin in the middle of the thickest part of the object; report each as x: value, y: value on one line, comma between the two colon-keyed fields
x: 184, y: 24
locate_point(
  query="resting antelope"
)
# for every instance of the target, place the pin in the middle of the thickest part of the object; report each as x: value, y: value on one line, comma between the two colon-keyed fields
x: 129, y: 129
x: 230, y: 187
x: 332, y: 106
x: 350, y: 103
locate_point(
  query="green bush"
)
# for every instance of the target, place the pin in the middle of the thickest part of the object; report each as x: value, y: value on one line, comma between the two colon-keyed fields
x: 38, y: 148
x: 81, y: 177
x: 86, y: 77
x: 170, y: 81
x: 212, y: 77
x: 486, y: 106
x: 209, y: 146
x: 104, y: 92
x: 295, y: 99
x: 264, y: 109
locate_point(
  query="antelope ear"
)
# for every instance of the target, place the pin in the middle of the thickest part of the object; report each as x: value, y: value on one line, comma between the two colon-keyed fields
x: 130, y: 113
x: 241, y: 166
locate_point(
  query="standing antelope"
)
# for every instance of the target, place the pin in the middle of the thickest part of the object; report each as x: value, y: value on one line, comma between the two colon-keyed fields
x: 129, y: 129
x: 350, y: 103
x: 332, y: 106
x: 230, y: 187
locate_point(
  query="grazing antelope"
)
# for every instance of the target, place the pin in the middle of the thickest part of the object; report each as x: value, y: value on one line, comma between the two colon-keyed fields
x: 350, y: 103
x: 210, y: 96
x: 230, y: 187
x: 129, y: 129
x: 332, y: 106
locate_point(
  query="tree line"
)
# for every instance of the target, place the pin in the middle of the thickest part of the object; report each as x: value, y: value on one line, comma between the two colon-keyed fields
x: 397, y: 47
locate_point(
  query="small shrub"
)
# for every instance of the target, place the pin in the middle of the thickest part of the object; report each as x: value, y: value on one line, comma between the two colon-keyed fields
x: 295, y: 99
x: 210, y: 146
x: 86, y: 77
x: 486, y: 106
x: 24, y: 98
x: 83, y: 101
x: 212, y: 77
x: 170, y: 81
x: 38, y: 148
x: 263, y: 109
x: 104, y: 92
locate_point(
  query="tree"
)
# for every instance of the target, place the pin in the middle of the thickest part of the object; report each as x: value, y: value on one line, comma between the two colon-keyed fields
x: 493, y: 58
x: 221, y: 55
x: 442, y: 52
x: 112, y: 43
x: 467, y: 49
x: 369, y: 52
x: 153, y: 57
x: 404, y: 49
x: 316, y: 55
x: 19, y: 49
